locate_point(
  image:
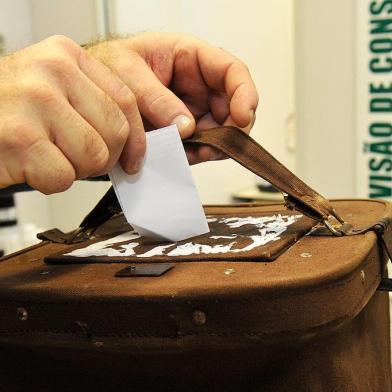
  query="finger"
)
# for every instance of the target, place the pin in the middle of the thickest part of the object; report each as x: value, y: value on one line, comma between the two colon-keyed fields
x: 5, y: 175
x: 135, y: 145
x: 156, y: 102
x: 206, y: 122
x: 219, y: 106
x: 47, y: 169
x: 28, y: 155
x: 102, y: 114
x: 230, y: 122
x: 204, y: 153
x: 208, y: 153
x: 82, y: 145
x: 191, y: 154
x: 223, y: 72
x: 188, y: 82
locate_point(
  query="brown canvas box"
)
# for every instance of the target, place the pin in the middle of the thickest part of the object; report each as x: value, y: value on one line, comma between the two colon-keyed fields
x: 262, y: 303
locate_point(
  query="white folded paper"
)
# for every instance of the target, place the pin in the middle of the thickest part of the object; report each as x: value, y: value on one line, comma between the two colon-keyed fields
x: 161, y: 201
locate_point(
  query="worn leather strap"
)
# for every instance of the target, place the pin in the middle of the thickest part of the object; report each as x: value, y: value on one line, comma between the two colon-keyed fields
x: 246, y: 151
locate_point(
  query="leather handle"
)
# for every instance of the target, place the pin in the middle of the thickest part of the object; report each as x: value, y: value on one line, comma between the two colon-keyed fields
x: 246, y: 151
x: 239, y: 146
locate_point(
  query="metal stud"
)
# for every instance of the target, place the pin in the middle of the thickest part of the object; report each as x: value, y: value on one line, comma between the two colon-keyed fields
x: 199, y: 318
x: 305, y: 254
x: 22, y: 314
x: 363, y: 276
x: 229, y: 271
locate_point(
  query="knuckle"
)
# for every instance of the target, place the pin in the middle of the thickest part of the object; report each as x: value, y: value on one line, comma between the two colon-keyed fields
x: 41, y: 93
x: 18, y: 138
x: 126, y: 99
x: 63, y: 42
x: 116, y: 114
x: 58, y: 64
x: 186, y: 51
x: 100, y: 161
x: 97, y: 154
x: 120, y: 135
x: 157, y: 100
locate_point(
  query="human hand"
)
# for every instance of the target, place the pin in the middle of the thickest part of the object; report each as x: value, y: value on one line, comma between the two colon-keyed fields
x: 180, y: 79
x: 64, y: 116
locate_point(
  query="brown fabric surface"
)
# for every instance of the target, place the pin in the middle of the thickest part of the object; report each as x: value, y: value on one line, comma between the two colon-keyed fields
x: 295, y: 292
x: 299, y: 323
x: 353, y: 358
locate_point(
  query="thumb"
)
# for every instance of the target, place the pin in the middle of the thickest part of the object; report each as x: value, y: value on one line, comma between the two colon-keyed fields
x: 157, y: 103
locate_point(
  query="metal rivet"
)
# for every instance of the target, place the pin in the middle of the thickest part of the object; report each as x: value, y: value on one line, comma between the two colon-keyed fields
x: 306, y: 254
x: 363, y: 276
x: 199, y: 317
x: 22, y: 314
x: 229, y: 271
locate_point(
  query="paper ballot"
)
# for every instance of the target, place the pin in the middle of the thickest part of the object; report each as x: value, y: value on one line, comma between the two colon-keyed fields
x: 161, y: 201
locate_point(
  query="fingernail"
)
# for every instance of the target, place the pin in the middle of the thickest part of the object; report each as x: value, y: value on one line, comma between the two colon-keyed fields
x: 183, y: 123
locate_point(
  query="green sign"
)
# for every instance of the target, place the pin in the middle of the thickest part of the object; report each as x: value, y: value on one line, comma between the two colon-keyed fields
x: 377, y: 140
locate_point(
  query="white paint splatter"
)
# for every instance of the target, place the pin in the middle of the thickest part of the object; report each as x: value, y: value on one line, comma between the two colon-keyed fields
x: 229, y: 237
x: 157, y: 251
x: 102, y: 248
x: 196, y: 249
x: 270, y: 229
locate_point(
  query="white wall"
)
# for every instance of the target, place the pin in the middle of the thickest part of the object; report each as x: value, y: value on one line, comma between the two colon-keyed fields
x: 15, y: 23
x: 325, y: 94
x: 258, y: 32
x: 75, y: 18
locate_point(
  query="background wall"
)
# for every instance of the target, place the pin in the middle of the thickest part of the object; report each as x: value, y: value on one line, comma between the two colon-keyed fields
x: 15, y: 23
x: 325, y: 94
x: 259, y: 32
